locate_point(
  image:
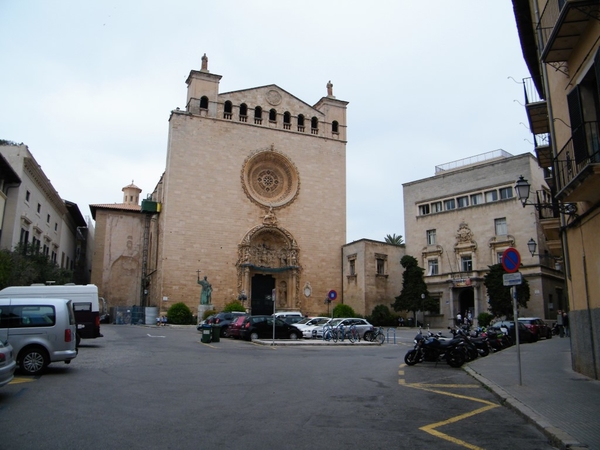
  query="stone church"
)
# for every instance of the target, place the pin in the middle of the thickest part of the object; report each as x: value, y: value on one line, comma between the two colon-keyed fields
x: 253, y: 198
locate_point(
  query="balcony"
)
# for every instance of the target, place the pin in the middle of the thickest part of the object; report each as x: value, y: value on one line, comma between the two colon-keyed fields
x: 578, y: 166
x: 561, y: 24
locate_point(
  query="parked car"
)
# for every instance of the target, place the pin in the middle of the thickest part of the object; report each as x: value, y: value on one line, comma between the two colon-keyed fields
x: 207, y: 321
x: 537, y: 326
x: 361, y: 325
x: 7, y: 363
x: 235, y: 327
x: 261, y: 327
x: 40, y: 330
x: 310, y: 323
x: 525, y: 334
x: 224, y: 319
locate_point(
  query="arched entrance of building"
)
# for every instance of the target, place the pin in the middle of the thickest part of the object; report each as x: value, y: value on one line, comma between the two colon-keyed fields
x: 466, y: 301
x: 269, y: 259
x: 262, y: 288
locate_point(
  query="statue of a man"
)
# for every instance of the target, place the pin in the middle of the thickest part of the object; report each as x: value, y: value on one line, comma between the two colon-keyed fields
x: 206, y: 294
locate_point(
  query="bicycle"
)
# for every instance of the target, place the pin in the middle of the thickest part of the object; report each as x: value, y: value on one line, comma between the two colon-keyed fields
x: 375, y: 335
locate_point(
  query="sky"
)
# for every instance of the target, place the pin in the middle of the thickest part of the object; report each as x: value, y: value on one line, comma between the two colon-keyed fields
x: 89, y: 85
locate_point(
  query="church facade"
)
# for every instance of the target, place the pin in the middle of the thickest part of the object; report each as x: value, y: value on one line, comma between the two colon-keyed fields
x: 253, y: 198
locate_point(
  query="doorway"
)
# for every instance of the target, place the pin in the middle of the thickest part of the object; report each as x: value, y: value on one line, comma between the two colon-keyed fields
x: 262, y: 288
x: 466, y: 301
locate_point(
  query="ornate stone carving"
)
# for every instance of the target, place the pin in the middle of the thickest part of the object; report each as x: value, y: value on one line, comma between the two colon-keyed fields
x: 464, y: 239
x: 273, y: 97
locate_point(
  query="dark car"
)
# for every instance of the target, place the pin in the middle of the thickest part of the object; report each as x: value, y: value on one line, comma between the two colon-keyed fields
x: 525, y: 334
x: 224, y: 319
x: 235, y: 327
x: 207, y: 321
x: 537, y: 326
x: 261, y: 327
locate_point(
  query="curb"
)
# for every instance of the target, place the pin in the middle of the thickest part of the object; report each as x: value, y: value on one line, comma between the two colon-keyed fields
x: 555, y: 435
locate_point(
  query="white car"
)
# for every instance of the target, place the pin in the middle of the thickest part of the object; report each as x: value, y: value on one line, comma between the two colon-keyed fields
x: 361, y: 324
x: 7, y: 363
x: 309, y: 324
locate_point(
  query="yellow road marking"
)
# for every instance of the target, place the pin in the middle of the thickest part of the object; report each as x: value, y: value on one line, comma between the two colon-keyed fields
x: 432, y: 428
x: 19, y: 380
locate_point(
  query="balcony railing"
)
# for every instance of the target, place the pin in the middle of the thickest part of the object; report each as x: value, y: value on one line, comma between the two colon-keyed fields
x: 561, y: 24
x: 581, y: 151
x: 536, y: 107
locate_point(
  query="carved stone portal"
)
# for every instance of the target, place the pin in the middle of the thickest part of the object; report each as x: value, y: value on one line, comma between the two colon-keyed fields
x: 269, y: 249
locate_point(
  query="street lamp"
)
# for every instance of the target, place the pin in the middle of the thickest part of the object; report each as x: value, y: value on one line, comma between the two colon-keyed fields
x: 531, y: 245
x: 522, y: 188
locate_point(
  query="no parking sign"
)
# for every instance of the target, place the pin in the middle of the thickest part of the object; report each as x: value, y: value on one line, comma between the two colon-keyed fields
x: 332, y: 295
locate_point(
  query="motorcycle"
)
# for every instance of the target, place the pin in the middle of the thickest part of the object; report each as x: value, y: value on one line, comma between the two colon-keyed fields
x: 434, y: 349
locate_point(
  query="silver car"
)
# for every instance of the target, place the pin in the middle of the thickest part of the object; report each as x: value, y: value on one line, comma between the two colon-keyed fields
x: 361, y: 325
x: 7, y: 363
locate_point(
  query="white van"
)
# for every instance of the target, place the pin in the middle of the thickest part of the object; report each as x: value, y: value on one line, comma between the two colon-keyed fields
x: 40, y: 330
x: 85, y: 303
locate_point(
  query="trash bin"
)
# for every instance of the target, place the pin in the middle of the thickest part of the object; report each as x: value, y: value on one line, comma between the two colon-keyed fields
x: 216, y: 333
x: 206, y: 333
x: 411, y: 322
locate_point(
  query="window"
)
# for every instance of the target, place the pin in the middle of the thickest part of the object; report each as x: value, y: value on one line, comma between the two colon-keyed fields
x: 272, y: 115
x: 352, y: 267
x: 449, y: 204
x: 300, y: 122
x: 258, y: 115
x: 491, y: 196
x: 35, y: 244
x: 476, y: 199
x: 24, y: 239
x: 436, y: 207
x: 204, y: 102
x: 506, y: 192
x: 423, y: 210
x: 500, y: 225
x: 431, y: 237
x: 287, y: 120
x: 335, y: 126
x: 462, y: 202
x: 48, y: 218
x: 39, y: 208
x: 499, y: 257
x: 27, y: 196
x: 55, y: 226
x: 243, y: 112
x: 466, y: 263
x: 314, y: 125
x: 380, y: 266
x: 228, y: 108
x: 432, y: 265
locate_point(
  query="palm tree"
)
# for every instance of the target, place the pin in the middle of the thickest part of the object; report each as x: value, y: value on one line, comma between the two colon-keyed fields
x: 393, y: 239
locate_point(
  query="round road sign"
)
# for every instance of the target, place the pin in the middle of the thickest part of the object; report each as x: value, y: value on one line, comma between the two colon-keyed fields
x: 332, y: 295
x: 511, y: 260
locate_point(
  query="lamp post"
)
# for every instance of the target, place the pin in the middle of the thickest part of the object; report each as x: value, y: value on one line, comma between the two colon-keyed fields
x: 523, y: 188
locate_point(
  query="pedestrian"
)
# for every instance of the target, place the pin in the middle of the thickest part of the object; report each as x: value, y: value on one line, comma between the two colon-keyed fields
x: 469, y: 318
x: 559, y: 323
x: 566, y: 324
x: 164, y: 321
x: 458, y: 320
x: 401, y: 321
x: 158, y: 321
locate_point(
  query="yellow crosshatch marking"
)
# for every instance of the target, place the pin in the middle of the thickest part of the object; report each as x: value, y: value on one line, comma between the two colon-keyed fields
x: 433, y: 428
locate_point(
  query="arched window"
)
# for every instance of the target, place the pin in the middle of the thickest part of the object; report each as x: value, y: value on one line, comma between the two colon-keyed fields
x: 228, y: 109
x: 335, y: 127
x: 258, y: 115
x: 300, y: 122
x: 243, y: 112
x: 287, y: 120
x: 204, y: 102
x: 272, y: 115
x: 314, y: 126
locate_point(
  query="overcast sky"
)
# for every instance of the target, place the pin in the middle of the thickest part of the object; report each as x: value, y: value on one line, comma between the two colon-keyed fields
x: 88, y: 86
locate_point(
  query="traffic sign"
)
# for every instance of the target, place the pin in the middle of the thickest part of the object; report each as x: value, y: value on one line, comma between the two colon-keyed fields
x: 332, y: 295
x: 511, y: 260
x: 512, y: 279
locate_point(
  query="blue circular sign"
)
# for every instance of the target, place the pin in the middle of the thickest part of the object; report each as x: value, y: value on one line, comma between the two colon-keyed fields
x: 511, y: 260
x: 332, y: 295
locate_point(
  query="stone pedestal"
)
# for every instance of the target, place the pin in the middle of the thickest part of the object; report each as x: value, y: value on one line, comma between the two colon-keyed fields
x: 202, y: 309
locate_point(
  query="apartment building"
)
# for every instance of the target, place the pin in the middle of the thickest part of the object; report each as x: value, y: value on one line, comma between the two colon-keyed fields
x: 32, y: 212
x: 560, y: 40
x: 460, y: 221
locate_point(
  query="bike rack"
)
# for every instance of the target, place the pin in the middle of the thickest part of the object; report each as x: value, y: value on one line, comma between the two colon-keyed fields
x: 387, y: 335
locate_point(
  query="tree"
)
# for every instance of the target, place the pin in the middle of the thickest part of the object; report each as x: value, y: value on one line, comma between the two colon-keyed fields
x: 343, y: 310
x: 500, y: 298
x: 413, y: 288
x: 180, y: 314
x: 234, y: 305
x: 393, y: 239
